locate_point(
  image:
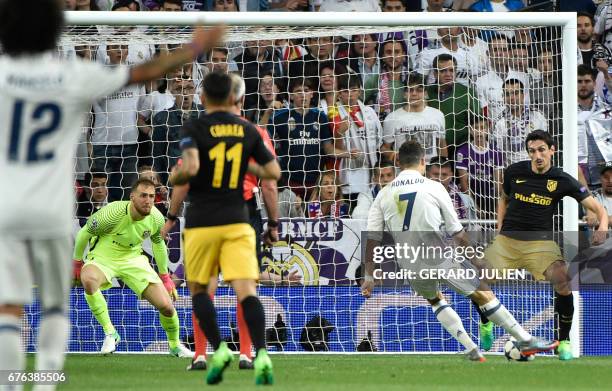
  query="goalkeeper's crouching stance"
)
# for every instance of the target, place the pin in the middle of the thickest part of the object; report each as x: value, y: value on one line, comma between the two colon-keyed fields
x: 115, y: 234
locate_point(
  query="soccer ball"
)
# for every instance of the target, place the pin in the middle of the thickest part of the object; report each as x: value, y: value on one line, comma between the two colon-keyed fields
x: 512, y: 352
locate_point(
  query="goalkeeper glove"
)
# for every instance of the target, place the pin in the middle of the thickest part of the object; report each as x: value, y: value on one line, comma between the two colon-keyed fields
x: 77, y: 265
x: 169, y: 285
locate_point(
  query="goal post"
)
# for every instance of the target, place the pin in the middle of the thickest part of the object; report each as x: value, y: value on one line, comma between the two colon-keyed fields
x: 329, y: 289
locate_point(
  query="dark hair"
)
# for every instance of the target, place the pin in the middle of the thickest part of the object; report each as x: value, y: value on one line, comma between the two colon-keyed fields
x: 585, y: 70
x: 27, y: 28
x: 217, y: 87
x: 416, y: 78
x: 300, y: 82
x: 498, y: 37
x: 337, y: 67
x: 175, y: 2
x: 440, y: 161
x: 384, y: 163
x: 539, y: 135
x: 384, y: 2
x: 513, y: 81
x: 586, y: 15
x: 97, y: 175
x: 217, y: 49
x: 442, y: 58
x: 125, y: 3
x: 410, y: 153
x: 348, y: 81
x: 144, y: 182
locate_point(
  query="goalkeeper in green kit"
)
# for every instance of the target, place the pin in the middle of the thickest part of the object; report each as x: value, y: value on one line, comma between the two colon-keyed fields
x: 115, y: 234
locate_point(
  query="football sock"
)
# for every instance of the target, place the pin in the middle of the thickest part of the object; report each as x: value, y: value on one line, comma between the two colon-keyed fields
x: 243, y: 332
x: 255, y: 320
x: 170, y: 324
x: 452, y: 323
x: 198, y: 337
x: 483, y: 318
x: 11, y: 356
x: 98, y: 307
x: 499, y: 315
x: 204, y: 309
x: 564, y: 311
x: 52, y: 340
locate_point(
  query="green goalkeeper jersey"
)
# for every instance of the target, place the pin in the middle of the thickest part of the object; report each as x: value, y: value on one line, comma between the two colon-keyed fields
x: 113, y: 235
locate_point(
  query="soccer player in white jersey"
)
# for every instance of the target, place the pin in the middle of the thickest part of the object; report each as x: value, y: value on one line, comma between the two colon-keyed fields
x: 421, y: 206
x: 42, y: 104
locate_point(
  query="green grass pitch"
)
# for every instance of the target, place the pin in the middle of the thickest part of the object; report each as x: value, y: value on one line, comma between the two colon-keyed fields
x: 344, y: 372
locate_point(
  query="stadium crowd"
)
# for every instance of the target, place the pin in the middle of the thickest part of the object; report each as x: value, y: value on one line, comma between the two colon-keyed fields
x: 338, y: 107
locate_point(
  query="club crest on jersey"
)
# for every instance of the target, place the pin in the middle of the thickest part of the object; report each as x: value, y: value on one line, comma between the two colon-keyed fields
x: 291, y: 123
x: 94, y: 224
x: 146, y: 234
x: 551, y: 185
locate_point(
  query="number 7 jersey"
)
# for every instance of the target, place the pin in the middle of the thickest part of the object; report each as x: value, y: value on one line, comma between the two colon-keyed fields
x: 43, y: 102
x: 412, y: 202
x: 225, y: 143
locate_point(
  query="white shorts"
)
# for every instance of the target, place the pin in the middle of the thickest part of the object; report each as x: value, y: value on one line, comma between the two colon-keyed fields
x: 44, y: 263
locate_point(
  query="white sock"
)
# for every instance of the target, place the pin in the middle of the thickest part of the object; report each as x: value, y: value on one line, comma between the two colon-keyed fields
x: 53, y: 337
x: 11, y: 354
x: 498, y: 314
x: 452, y: 323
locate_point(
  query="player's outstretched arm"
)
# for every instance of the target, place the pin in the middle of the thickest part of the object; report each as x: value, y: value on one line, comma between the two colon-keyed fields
x: 597, y: 209
x: 179, y: 193
x: 203, y: 40
x: 270, y: 170
x: 269, y: 192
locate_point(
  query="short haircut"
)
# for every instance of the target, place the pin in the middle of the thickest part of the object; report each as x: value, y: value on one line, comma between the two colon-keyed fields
x: 97, y: 175
x: 349, y: 81
x: 125, y: 3
x: 514, y: 81
x: 539, y: 135
x: 142, y: 182
x: 416, y: 79
x: 384, y: 2
x: 175, y: 2
x: 27, y: 28
x: 440, y: 161
x: 217, y: 87
x: 443, y: 58
x: 299, y: 82
x: 585, y: 70
x: 410, y: 153
x: 238, y: 87
x: 216, y: 49
x: 384, y: 164
x: 586, y: 15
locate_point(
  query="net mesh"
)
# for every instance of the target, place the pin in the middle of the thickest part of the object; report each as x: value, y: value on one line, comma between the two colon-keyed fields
x: 337, y: 103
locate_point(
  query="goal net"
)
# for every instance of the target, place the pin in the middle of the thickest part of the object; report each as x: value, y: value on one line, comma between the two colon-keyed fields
x: 337, y: 101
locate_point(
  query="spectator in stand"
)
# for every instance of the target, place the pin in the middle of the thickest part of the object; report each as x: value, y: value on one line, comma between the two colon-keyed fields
x: 93, y: 198
x: 81, y: 5
x: 454, y: 100
x: 258, y: 59
x: 436, y: 5
x: 490, y: 85
x: 115, y: 132
x: 382, y: 175
x: 497, y: 5
x: 349, y: 6
x: 546, y: 91
x: 167, y: 125
x: 326, y: 199
x: 269, y: 100
x: 394, y: 6
x: 302, y: 139
x: 593, y: 149
x: 479, y: 167
x: 603, y: 196
x: 386, y: 91
x: 356, y: 129
x: 172, y: 5
x: 320, y: 49
x: 217, y: 59
x: 467, y: 65
x: 290, y: 205
x: 363, y: 56
x: 329, y: 73
x: 520, y: 64
x: 225, y: 6
x: 414, y: 121
x: 585, y: 37
x: 440, y: 170
x: 516, y: 123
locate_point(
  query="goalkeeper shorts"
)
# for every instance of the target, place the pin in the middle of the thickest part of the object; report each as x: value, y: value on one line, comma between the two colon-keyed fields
x: 534, y: 256
x: 136, y: 273
x: 230, y: 247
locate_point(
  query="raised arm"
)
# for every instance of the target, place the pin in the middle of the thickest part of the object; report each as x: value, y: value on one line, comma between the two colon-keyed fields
x: 203, y: 41
x: 597, y: 209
